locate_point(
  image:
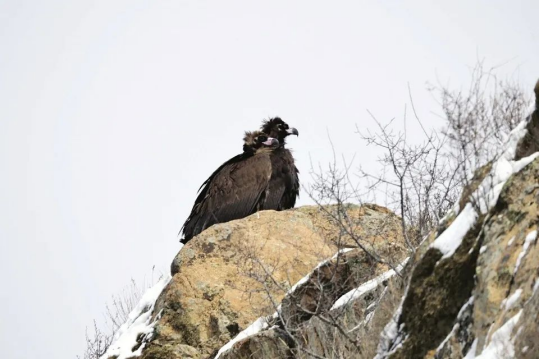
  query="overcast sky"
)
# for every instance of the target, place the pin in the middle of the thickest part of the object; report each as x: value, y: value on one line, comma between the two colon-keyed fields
x: 112, y: 113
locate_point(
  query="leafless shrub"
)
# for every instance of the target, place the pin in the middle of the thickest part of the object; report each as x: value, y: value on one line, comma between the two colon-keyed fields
x: 116, y: 314
x: 97, y: 343
x: 479, y: 119
x: 421, y: 182
x: 377, y: 249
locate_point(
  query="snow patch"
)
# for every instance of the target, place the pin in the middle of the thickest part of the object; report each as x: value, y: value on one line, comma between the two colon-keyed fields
x: 367, y: 286
x: 511, y: 241
x: 390, y: 340
x: 451, y: 212
x: 463, y: 308
x: 483, y: 249
x: 456, y: 326
x: 368, y: 318
x: 472, y: 351
x: 301, y: 281
x: 510, y: 302
x: 138, y: 322
x: 304, y: 279
x: 500, y: 345
x: 261, y: 323
x: 531, y: 108
x: 486, y: 195
x: 449, y: 241
x: 441, y: 346
x: 256, y: 327
x: 529, y: 238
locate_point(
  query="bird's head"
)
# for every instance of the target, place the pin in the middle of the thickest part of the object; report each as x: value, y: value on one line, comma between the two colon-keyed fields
x: 277, y: 128
x: 257, y: 140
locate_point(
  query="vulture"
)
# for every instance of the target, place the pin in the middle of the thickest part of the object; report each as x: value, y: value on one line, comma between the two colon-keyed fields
x: 238, y: 188
x: 284, y: 182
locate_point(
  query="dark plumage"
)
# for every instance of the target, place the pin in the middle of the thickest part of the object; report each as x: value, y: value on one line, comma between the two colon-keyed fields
x: 236, y: 189
x: 284, y: 183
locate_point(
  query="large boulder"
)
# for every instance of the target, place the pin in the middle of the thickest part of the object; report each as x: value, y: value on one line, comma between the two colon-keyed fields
x: 233, y: 273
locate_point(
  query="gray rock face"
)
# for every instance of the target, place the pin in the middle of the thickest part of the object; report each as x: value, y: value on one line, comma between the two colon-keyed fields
x: 485, y: 297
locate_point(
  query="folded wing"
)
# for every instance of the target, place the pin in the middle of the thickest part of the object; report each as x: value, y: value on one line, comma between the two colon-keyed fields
x: 236, y: 189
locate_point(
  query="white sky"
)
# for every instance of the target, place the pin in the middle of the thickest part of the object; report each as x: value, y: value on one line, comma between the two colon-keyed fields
x: 114, y: 112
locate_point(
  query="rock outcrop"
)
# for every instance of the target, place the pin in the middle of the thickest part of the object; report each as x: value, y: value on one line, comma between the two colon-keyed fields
x: 473, y: 290
x: 457, y: 304
x: 235, y: 272
x: 483, y: 298
x: 339, y: 281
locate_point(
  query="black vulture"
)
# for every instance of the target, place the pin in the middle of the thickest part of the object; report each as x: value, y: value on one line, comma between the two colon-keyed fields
x: 284, y: 183
x: 236, y: 189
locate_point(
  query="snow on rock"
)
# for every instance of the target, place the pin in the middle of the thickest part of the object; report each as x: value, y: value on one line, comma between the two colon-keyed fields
x: 522, y: 163
x: 480, y: 203
x: 463, y: 308
x: 447, y: 338
x: 531, y: 108
x: 457, y: 324
x: 514, y: 137
x: 472, y: 351
x: 261, y: 323
x: 366, y: 287
x: 304, y: 279
x: 536, y: 286
x: 500, y: 345
x: 256, y: 327
x: 390, y: 340
x: 449, y: 241
x: 529, y: 238
x: 486, y: 194
x: 138, y: 322
x: 511, y: 300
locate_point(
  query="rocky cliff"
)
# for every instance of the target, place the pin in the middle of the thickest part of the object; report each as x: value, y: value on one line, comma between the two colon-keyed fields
x: 340, y: 281
x: 250, y: 270
x: 475, y: 289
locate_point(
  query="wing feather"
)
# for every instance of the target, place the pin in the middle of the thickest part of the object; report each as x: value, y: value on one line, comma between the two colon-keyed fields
x: 232, y: 192
x: 284, y: 183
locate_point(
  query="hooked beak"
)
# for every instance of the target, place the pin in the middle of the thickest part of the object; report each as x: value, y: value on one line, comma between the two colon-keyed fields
x: 271, y: 142
x: 292, y: 131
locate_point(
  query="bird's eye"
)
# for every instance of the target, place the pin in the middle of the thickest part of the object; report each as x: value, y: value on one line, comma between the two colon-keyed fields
x: 262, y: 138
x: 286, y: 126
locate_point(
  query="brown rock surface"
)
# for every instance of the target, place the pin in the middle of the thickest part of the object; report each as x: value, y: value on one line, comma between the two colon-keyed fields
x: 221, y: 278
